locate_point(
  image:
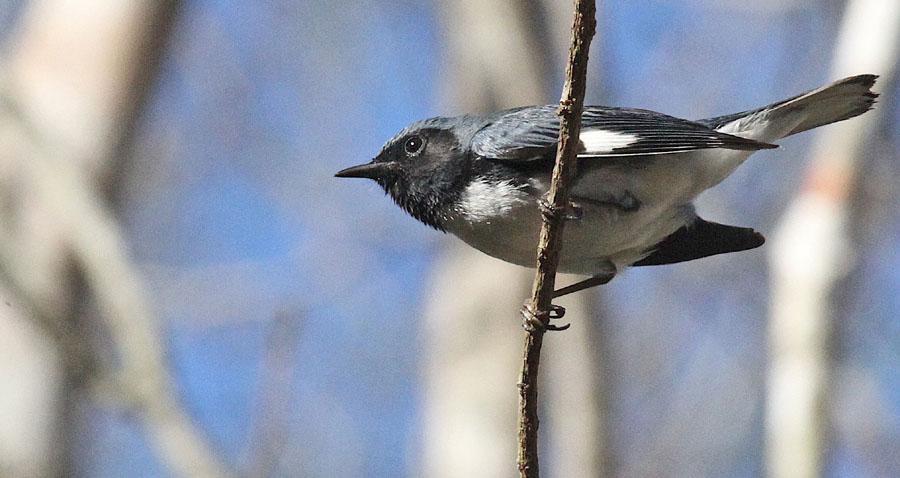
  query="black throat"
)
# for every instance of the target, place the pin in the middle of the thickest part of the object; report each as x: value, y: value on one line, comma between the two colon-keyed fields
x: 432, y: 208
x: 429, y: 187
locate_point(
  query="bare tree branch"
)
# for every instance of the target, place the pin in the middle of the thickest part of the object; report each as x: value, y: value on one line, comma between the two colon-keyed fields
x: 570, y: 108
x: 466, y: 414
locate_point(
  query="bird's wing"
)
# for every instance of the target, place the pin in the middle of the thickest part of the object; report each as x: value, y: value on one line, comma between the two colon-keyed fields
x: 530, y: 134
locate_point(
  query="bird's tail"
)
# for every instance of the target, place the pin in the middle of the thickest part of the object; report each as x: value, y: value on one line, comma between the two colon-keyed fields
x: 829, y: 104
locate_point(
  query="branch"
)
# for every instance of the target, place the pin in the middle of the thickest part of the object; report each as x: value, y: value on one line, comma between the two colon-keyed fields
x: 550, y: 242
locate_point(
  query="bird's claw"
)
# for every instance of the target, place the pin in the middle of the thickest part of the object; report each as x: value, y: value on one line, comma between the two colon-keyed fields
x: 571, y: 213
x: 533, y: 321
x: 557, y: 328
x: 556, y: 311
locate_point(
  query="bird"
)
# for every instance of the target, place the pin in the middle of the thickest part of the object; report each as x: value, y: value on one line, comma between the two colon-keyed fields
x: 484, y: 178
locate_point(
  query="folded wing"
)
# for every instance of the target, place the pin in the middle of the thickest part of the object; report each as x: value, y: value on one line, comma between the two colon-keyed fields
x: 530, y: 134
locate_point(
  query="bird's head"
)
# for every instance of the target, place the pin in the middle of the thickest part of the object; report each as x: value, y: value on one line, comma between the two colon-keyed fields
x: 424, y: 168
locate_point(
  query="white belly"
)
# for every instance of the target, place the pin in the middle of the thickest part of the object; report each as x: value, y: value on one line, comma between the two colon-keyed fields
x: 504, y: 222
x: 604, y: 234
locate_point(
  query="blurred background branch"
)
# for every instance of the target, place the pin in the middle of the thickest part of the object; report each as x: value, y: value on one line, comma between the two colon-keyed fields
x: 70, y: 97
x: 271, y: 432
x: 813, y: 250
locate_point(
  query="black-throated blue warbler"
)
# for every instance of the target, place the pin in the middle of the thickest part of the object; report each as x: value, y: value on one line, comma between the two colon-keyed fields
x: 482, y: 178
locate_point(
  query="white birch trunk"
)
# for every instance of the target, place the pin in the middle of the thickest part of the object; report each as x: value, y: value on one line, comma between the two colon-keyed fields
x: 810, y: 251
x: 66, y: 87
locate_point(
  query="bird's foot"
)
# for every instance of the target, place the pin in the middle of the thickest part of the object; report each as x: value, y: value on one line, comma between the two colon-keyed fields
x: 572, y: 212
x: 599, y: 279
x: 532, y: 320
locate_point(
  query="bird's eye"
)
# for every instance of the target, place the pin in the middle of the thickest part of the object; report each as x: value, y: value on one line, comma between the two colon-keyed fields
x: 414, y: 145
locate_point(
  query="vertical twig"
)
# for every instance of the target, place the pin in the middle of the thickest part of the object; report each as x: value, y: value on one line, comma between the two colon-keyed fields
x: 570, y: 108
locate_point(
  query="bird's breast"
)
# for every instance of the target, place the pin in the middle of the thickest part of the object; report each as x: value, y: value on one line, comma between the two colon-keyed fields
x: 503, y: 220
x: 499, y: 218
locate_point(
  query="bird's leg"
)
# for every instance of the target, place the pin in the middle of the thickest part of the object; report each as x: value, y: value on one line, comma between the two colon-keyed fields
x: 532, y: 320
x: 572, y: 212
x: 594, y: 281
x: 625, y: 202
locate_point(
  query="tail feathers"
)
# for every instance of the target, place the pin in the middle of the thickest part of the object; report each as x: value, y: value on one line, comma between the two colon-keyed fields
x: 838, y: 101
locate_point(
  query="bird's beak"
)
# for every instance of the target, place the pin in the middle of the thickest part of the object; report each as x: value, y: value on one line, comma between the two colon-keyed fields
x: 369, y: 170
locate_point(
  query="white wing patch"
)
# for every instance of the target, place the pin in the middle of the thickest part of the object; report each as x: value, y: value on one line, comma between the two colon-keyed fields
x: 484, y: 201
x: 603, y: 141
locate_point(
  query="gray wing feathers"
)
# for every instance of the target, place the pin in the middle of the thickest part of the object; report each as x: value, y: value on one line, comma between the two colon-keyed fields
x: 529, y: 134
x: 522, y: 133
